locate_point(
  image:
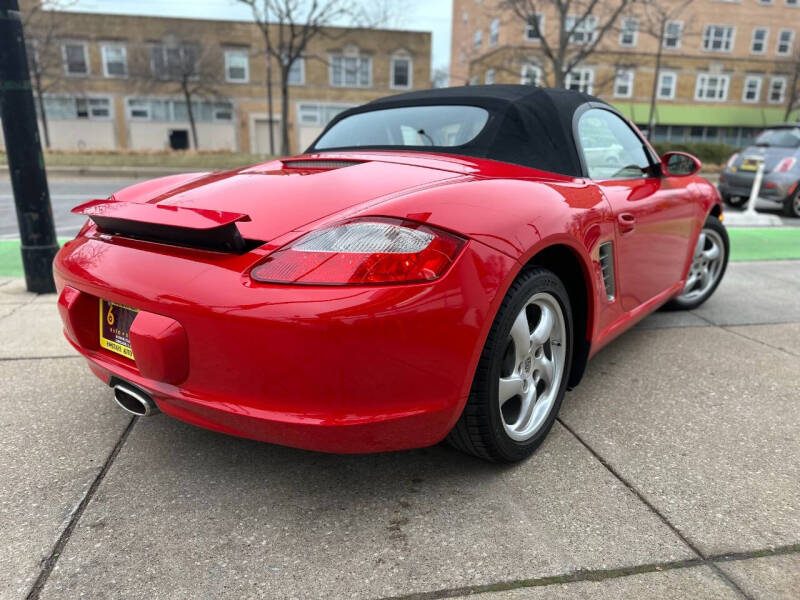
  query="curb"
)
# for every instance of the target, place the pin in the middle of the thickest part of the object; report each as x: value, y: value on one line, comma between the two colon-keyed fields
x: 125, y: 172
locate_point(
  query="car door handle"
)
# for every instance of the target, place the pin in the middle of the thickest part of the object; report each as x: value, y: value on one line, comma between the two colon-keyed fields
x: 627, y: 222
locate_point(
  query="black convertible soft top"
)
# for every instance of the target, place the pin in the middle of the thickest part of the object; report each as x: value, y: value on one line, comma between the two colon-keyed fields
x: 527, y: 125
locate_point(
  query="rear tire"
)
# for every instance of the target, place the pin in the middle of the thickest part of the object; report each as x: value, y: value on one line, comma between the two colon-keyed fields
x: 791, y: 206
x: 518, y: 387
x: 735, y: 201
x: 708, y: 266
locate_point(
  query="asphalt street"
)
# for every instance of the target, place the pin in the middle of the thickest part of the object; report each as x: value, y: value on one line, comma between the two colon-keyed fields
x: 673, y: 472
x: 65, y: 194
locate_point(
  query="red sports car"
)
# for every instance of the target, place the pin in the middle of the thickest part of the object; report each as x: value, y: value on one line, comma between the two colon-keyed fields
x: 438, y: 265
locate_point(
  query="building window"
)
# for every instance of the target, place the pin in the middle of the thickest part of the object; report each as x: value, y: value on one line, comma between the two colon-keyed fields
x: 76, y: 58
x: 629, y: 33
x: 752, y: 89
x: 297, y: 72
x: 351, y: 71
x: 766, y: 2
x: 115, y: 60
x: 74, y: 107
x: 237, y: 66
x: 173, y: 62
x: 777, y: 90
x: 401, y: 72
x: 494, y: 32
x: 473, y: 80
x: 785, y: 41
x: 580, y: 80
x: 584, y: 31
x: 667, y: 82
x: 319, y: 114
x: 792, y: 2
x: 759, y: 43
x: 168, y: 110
x: 672, y: 34
x: 489, y: 79
x: 623, y: 83
x: 531, y: 75
x: 478, y: 39
x: 534, y: 28
x: 718, y: 38
x: 712, y: 88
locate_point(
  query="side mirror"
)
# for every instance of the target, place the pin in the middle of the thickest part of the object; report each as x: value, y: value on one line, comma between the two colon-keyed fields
x: 679, y: 164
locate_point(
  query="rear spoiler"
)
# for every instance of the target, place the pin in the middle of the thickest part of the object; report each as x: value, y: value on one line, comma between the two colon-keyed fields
x: 176, y: 225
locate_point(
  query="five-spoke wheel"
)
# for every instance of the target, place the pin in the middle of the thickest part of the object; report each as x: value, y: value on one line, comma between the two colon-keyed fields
x: 709, y: 261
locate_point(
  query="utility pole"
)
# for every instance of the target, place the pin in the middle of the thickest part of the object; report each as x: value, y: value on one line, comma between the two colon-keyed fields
x: 24, y: 151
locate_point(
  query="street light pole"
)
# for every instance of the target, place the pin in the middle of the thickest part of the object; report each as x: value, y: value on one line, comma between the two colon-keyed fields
x: 24, y: 152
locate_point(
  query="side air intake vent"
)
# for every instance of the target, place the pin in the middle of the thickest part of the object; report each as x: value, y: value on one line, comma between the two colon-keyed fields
x: 319, y: 164
x: 606, y: 253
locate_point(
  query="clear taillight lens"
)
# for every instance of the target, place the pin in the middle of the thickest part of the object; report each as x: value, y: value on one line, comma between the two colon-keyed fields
x: 732, y: 159
x: 785, y: 165
x: 365, y: 251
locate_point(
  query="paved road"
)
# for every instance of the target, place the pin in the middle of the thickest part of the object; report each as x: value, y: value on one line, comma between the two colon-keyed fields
x: 673, y: 472
x: 67, y: 193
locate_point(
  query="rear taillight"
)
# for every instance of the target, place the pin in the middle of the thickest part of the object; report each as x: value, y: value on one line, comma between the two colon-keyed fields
x: 785, y: 165
x: 732, y: 159
x: 374, y: 250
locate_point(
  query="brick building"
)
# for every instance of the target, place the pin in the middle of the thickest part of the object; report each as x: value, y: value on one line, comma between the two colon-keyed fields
x: 107, y: 83
x: 727, y: 65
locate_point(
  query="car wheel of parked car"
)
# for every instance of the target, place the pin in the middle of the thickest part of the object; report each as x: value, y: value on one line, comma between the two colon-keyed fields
x: 522, y: 373
x: 709, y: 262
x: 791, y: 206
x: 735, y: 201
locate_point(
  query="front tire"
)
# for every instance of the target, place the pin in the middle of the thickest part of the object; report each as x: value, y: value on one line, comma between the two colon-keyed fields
x: 708, y: 266
x: 522, y: 373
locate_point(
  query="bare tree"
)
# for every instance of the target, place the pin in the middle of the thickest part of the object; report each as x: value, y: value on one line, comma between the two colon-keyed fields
x: 656, y: 18
x: 192, y: 69
x: 582, y: 25
x: 43, y: 26
x: 287, y: 27
x: 793, y: 93
x: 440, y: 77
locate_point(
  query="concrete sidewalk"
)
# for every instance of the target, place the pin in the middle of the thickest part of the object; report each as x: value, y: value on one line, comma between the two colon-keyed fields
x: 673, y: 472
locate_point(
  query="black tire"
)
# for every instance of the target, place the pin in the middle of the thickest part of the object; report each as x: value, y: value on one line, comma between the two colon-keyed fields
x: 735, y: 201
x: 680, y: 303
x: 479, y: 430
x: 791, y: 206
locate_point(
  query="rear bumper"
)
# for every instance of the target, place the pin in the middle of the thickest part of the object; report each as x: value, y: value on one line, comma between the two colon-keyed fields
x: 775, y: 186
x: 332, y: 369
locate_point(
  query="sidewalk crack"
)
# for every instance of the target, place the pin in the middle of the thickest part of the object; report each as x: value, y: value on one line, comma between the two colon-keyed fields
x: 49, y: 563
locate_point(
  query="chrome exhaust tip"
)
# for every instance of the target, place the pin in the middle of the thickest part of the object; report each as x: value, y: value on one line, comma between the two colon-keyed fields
x: 134, y: 401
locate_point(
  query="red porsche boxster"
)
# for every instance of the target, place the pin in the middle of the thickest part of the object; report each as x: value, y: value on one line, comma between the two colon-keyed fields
x: 437, y: 265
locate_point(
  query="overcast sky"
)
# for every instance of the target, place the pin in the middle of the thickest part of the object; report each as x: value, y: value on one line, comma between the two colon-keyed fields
x: 422, y: 15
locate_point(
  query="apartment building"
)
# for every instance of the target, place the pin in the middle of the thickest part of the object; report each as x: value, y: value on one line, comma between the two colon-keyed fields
x: 727, y: 65
x: 112, y: 81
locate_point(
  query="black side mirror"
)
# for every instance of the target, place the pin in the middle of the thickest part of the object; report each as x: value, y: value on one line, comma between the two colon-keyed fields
x: 679, y: 164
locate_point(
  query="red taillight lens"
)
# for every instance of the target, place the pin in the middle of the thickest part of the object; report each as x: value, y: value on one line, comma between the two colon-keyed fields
x: 363, y: 251
x: 785, y: 165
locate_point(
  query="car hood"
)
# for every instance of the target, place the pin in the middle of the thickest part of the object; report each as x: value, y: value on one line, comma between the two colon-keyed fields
x: 771, y: 155
x: 282, y: 196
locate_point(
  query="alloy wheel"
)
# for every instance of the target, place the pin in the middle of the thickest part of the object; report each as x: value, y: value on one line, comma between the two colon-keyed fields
x: 706, y: 265
x: 533, y: 366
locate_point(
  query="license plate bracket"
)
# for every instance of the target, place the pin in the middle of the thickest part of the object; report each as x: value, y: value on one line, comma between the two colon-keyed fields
x: 115, y: 324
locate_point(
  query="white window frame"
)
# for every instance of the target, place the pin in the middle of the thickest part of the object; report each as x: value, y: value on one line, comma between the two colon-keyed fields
x: 494, y: 32
x: 728, y: 38
x: 582, y: 73
x: 477, y: 39
x: 673, y: 87
x: 524, y: 78
x: 103, y: 50
x: 529, y: 30
x: 74, y: 98
x: 630, y: 76
x: 488, y: 77
x: 343, y: 84
x: 790, y: 49
x: 229, y: 53
x: 793, y: 3
x: 171, y: 101
x: 300, y: 60
x: 772, y: 81
x: 701, y: 84
x: 764, y: 43
x: 85, y: 46
x: 473, y: 80
x: 678, y: 38
x: 747, y: 81
x: 410, y: 62
x: 633, y: 32
x: 587, y: 29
